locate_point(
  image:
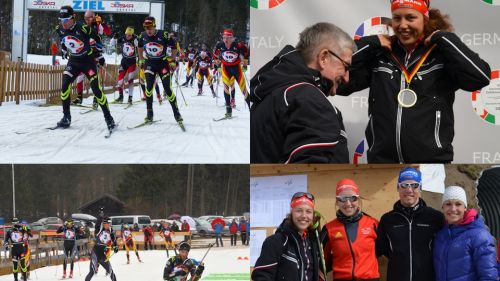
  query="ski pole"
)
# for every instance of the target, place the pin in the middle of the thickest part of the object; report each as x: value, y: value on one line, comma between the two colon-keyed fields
x: 202, y: 259
x: 180, y: 89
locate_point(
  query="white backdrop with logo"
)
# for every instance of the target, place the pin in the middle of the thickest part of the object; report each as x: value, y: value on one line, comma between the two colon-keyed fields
x: 274, y: 24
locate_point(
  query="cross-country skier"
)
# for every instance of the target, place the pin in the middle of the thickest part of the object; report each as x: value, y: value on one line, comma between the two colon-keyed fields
x: 179, y: 267
x: 166, y: 233
x: 15, y: 236
x: 204, y: 63
x: 75, y: 41
x: 229, y: 54
x: 105, y: 241
x: 129, y: 242
x: 71, y: 234
x: 128, y: 44
x: 155, y: 44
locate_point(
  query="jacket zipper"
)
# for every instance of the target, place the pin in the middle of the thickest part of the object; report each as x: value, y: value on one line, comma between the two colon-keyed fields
x: 373, y: 133
x: 398, y: 123
x: 436, y: 128
x: 411, y: 254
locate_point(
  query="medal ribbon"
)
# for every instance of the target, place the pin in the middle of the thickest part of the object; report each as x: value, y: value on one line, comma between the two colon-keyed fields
x: 409, y: 76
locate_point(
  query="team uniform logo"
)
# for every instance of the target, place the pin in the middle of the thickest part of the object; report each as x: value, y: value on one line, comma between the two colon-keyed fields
x: 191, y: 56
x: 69, y: 234
x: 105, y: 238
x: 265, y: 4
x: 203, y: 64
x: 16, y: 237
x: 153, y: 49
x: 486, y: 102
x: 359, y: 156
x: 374, y: 26
x: 73, y: 44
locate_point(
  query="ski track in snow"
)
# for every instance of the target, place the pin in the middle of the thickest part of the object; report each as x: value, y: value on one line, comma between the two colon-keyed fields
x: 218, y: 261
x: 24, y: 138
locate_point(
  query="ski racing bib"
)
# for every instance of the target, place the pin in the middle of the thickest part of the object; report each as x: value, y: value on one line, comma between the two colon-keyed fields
x: 73, y: 45
x: 153, y: 50
x: 128, y: 50
x: 230, y: 56
x: 69, y: 234
x: 16, y: 237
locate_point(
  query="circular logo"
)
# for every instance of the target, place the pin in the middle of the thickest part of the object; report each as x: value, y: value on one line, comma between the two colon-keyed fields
x: 265, y: 4
x: 153, y: 49
x: 128, y: 50
x: 492, y: 2
x: 73, y: 44
x: 486, y: 102
x: 374, y: 26
x: 229, y: 56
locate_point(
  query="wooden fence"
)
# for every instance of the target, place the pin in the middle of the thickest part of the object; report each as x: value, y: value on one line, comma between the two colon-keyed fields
x: 28, y: 81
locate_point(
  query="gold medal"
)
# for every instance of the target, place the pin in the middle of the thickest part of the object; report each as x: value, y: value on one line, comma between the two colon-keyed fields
x: 407, y: 98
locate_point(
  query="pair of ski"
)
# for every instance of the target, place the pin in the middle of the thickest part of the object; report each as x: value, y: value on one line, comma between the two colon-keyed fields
x: 181, y: 125
x: 107, y: 135
x: 224, y: 118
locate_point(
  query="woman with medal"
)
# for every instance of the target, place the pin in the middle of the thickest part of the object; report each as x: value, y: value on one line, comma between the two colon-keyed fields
x: 413, y: 77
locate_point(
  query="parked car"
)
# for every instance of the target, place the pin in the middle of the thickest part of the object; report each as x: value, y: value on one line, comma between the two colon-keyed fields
x: 51, y: 229
x: 118, y: 221
x: 209, y: 218
x: 204, y: 228
x: 50, y: 220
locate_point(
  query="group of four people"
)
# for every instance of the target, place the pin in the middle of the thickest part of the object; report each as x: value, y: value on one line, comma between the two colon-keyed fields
x: 421, y: 244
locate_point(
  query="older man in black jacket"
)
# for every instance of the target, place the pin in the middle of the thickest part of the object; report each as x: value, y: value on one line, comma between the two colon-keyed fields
x: 292, y: 121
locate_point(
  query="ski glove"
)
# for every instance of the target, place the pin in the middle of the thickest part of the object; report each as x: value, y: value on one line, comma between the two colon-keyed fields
x: 140, y: 63
x: 199, y: 270
x: 65, y: 54
x: 115, y: 248
x: 102, y: 61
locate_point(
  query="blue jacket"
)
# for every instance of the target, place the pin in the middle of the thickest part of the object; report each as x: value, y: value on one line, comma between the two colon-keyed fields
x: 218, y: 228
x: 465, y: 253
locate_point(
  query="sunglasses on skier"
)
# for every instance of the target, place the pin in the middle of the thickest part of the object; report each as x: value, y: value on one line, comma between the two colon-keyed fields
x: 64, y: 21
x: 408, y: 185
x: 352, y: 198
x: 303, y: 194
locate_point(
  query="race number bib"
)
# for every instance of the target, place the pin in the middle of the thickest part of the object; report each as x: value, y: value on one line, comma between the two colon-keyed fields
x: 169, y: 51
x: 191, y: 56
x: 105, y: 238
x: 70, y: 234
x: 126, y: 233
x: 203, y: 64
x: 73, y: 45
x: 16, y: 237
x: 153, y: 50
x: 128, y: 50
x: 229, y: 56
x: 166, y: 233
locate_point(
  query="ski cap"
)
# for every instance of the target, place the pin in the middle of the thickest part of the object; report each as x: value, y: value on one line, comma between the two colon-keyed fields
x: 106, y: 220
x: 421, y: 6
x: 454, y: 193
x: 129, y: 31
x: 15, y: 221
x: 228, y: 33
x: 149, y: 22
x: 346, y: 184
x: 69, y: 221
x: 184, y: 246
x: 66, y: 12
x: 410, y: 173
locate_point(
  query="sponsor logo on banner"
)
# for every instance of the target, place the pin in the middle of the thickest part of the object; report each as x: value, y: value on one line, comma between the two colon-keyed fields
x: 359, y: 156
x: 486, y: 102
x: 374, y: 26
x: 122, y: 5
x: 265, y: 4
x: 44, y: 4
x: 492, y: 2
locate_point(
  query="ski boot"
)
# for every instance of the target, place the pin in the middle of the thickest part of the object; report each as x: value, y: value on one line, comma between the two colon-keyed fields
x: 65, y: 121
x: 184, y: 84
x: 213, y: 92
x: 149, y: 117
x: 200, y: 92
x: 130, y: 100
x: 78, y: 100
x: 128, y: 261
x: 64, y: 275
x: 94, y: 104
x: 229, y: 112
x: 71, y: 274
x: 119, y: 99
x: 233, y: 103
x: 110, y: 122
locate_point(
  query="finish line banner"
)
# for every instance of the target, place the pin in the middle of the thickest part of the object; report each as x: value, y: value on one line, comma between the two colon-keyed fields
x: 276, y: 23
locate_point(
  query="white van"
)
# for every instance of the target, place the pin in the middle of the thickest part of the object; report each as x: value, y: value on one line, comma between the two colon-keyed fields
x: 118, y: 221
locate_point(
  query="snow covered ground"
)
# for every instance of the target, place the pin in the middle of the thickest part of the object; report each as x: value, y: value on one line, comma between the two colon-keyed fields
x: 229, y: 264
x: 25, y: 139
